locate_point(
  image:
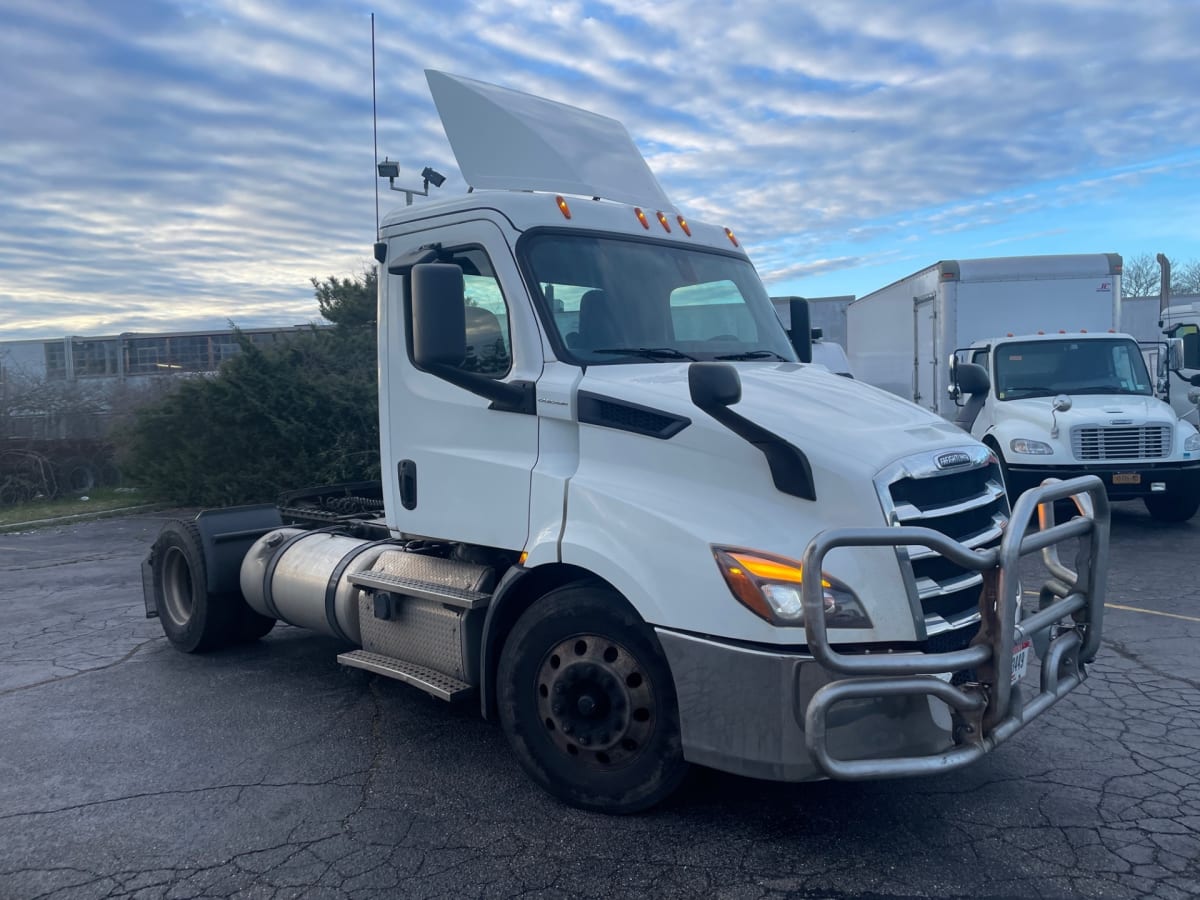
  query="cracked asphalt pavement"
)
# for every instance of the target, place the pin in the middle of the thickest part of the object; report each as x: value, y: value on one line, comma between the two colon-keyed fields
x: 128, y: 769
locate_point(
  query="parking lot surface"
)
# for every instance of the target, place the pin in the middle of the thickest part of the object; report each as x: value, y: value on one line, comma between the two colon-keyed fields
x: 128, y: 769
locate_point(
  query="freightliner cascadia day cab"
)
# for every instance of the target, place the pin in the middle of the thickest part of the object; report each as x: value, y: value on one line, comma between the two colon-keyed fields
x: 1021, y: 352
x: 620, y: 515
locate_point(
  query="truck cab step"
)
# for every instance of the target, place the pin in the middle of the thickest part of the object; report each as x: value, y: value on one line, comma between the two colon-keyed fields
x: 435, y: 683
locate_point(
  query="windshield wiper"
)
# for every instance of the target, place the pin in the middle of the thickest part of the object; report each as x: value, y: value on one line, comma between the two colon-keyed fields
x: 752, y: 354
x: 647, y: 352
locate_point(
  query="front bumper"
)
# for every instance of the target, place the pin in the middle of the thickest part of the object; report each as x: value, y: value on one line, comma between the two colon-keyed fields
x: 1151, y: 478
x: 791, y: 715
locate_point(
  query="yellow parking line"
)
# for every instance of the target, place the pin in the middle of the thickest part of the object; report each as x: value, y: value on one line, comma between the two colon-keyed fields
x: 1153, y: 612
x: 1150, y: 612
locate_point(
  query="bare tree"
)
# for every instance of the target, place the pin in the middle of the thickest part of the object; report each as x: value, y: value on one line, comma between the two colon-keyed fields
x: 1186, y: 278
x: 1140, y: 276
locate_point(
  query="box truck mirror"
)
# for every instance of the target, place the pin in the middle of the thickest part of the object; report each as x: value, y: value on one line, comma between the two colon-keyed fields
x: 1175, y: 354
x: 801, y: 329
x: 971, y: 378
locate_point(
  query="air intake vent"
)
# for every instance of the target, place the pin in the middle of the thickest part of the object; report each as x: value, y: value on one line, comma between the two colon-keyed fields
x: 1090, y: 442
x: 595, y: 409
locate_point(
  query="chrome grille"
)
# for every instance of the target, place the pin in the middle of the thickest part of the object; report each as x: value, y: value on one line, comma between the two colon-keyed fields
x: 966, y: 503
x: 1091, y: 442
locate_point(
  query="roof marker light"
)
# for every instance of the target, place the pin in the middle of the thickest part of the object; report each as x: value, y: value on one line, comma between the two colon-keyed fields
x: 662, y: 220
x: 1083, y: 331
x: 562, y: 207
x: 641, y: 217
x: 684, y: 225
x: 1062, y: 331
x: 1040, y: 331
x: 1010, y: 334
x: 732, y: 239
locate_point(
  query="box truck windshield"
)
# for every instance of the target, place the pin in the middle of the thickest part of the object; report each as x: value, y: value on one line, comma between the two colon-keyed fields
x: 1048, y: 368
x: 612, y: 300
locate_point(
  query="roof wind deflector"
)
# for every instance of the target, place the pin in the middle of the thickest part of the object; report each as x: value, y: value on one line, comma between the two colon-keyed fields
x: 405, y: 262
x: 506, y: 140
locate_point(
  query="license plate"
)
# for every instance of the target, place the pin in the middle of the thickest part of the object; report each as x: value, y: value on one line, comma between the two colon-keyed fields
x: 1020, y: 663
x: 1127, y: 478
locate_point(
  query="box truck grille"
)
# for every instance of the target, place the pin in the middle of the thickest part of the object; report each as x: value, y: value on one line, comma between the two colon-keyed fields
x: 1091, y: 442
x: 965, y: 502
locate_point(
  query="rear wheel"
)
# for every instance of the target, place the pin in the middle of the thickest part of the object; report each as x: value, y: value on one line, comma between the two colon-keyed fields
x: 1178, y: 507
x: 587, y: 702
x: 193, y: 619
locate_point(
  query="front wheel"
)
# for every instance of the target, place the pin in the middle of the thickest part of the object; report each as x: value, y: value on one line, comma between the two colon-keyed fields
x: 587, y: 702
x: 1173, y: 507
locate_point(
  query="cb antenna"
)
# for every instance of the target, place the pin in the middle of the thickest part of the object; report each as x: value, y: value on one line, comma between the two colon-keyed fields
x: 374, y: 123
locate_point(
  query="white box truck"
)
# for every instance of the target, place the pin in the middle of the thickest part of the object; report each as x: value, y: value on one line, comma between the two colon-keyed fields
x: 619, y: 515
x: 1063, y: 393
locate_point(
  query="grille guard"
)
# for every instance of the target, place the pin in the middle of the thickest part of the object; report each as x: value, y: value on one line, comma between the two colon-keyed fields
x: 990, y: 711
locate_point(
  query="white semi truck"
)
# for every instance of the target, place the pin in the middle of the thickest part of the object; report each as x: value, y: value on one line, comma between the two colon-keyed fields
x: 619, y: 515
x: 1057, y: 393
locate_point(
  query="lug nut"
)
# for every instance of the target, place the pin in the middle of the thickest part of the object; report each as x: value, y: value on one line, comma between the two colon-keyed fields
x: 584, y: 740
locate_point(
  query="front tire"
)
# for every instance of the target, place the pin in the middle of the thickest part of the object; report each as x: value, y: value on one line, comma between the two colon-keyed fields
x: 1173, y: 507
x: 587, y: 702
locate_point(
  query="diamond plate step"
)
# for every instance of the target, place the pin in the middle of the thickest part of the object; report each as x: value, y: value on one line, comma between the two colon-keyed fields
x: 435, y: 683
x: 398, y: 584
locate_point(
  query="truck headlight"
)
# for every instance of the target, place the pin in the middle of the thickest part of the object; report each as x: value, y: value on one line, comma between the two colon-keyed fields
x: 1191, y: 444
x: 769, y: 586
x: 1030, y: 446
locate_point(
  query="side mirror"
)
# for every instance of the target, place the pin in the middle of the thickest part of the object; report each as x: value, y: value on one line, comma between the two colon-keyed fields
x: 971, y: 378
x: 439, y: 322
x: 801, y: 329
x: 1061, y: 403
x: 714, y: 385
x: 1174, y: 354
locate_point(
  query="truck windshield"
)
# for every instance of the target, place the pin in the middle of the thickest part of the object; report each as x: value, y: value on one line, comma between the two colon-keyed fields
x: 1048, y: 368
x: 620, y: 301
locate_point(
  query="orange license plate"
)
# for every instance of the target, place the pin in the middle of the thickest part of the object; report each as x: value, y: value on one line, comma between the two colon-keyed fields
x: 1127, y: 478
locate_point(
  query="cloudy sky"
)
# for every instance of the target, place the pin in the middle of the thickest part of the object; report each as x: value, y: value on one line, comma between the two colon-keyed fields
x: 171, y: 164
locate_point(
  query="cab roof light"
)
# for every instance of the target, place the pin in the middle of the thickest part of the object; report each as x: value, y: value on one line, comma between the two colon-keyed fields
x: 1039, y: 332
x: 662, y: 220
x: 562, y: 207
x: 641, y: 217
x: 1083, y: 331
x: 732, y: 239
x: 684, y: 225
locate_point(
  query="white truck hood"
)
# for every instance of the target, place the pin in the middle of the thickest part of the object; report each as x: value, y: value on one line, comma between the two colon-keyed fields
x: 1090, y: 409
x: 805, y: 404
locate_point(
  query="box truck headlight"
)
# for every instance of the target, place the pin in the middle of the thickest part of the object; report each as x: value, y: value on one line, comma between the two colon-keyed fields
x: 769, y: 586
x: 1030, y: 446
x: 1191, y: 444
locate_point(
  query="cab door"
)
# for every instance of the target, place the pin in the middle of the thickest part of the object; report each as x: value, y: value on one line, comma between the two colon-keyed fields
x: 454, y: 468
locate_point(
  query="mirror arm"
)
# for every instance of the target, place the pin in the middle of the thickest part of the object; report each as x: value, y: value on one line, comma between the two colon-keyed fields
x: 506, y: 396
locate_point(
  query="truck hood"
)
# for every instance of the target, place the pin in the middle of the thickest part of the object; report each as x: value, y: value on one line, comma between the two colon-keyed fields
x: 1091, y: 409
x: 838, y: 422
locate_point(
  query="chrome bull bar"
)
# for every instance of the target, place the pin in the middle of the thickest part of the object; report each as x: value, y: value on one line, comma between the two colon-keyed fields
x: 991, y: 710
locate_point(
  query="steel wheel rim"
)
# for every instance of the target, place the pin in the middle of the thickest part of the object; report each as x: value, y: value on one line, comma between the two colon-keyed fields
x: 177, y: 586
x: 595, y: 701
